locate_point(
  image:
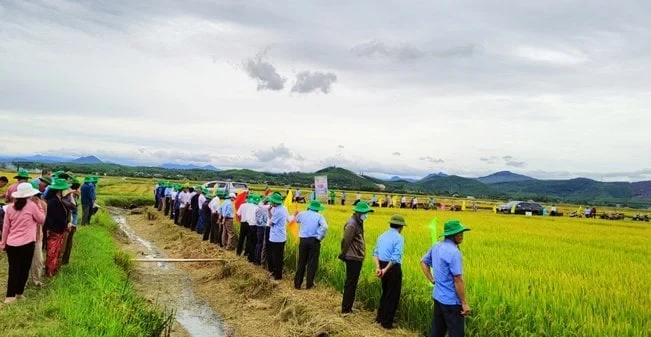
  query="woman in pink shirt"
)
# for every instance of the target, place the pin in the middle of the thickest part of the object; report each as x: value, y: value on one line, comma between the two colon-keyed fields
x: 22, y: 219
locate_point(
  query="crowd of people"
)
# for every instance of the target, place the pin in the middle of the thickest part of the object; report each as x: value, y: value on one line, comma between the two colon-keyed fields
x: 264, y: 221
x: 41, y: 215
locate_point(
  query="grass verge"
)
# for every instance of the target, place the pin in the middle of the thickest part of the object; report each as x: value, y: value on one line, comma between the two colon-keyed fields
x: 92, y: 296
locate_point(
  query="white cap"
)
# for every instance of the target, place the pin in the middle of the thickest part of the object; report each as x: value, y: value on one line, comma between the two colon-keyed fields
x: 232, y: 195
x: 25, y: 190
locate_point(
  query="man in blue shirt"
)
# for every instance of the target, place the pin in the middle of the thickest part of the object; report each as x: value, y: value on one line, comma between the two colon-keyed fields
x: 87, y: 199
x: 312, y: 232
x: 277, y: 236
x: 450, y: 306
x: 388, y: 259
x: 167, y: 192
x: 228, y: 212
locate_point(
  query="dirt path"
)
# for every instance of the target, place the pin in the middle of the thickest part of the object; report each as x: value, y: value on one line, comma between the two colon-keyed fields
x: 249, y: 303
x: 168, y: 287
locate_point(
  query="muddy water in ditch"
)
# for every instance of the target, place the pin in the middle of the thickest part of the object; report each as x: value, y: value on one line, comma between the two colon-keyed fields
x: 198, y: 319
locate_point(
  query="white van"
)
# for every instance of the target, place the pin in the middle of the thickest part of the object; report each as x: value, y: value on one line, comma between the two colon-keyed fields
x: 226, y: 186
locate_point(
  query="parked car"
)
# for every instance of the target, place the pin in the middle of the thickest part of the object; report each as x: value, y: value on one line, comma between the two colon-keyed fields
x: 226, y: 186
x: 521, y: 207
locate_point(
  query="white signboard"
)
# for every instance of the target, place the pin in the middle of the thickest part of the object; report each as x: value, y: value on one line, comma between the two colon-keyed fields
x: 321, y: 186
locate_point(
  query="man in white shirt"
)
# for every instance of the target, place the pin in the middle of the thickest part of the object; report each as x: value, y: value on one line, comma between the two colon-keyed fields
x: 173, y: 201
x: 244, y: 225
x: 215, y: 228
x: 185, y: 198
x: 251, y: 238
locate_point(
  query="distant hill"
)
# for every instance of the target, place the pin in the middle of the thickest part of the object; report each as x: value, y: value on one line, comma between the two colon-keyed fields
x: 37, y: 158
x: 432, y: 175
x: 641, y: 189
x: 87, y: 160
x: 578, y: 189
x: 503, y: 177
x: 450, y: 185
x: 397, y: 178
x: 170, y: 166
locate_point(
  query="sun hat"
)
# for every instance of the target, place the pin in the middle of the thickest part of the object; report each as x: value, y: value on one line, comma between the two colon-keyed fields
x: 362, y: 207
x: 22, y: 174
x: 315, y: 205
x: 453, y: 227
x: 88, y: 179
x: 61, y: 175
x: 46, y: 180
x: 24, y: 190
x: 232, y: 195
x: 74, y: 180
x: 70, y: 174
x: 59, y: 185
x: 95, y: 179
x: 397, y: 220
x: 34, y: 184
x: 276, y: 199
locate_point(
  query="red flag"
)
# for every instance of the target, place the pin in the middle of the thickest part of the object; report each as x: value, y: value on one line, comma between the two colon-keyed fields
x: 267, y: 192
x: 241, y: 199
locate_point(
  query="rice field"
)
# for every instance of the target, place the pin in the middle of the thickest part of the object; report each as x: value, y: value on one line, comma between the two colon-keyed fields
x: 525, y: 276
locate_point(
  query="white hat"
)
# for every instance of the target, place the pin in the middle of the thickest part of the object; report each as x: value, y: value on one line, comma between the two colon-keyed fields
x: 24, y: 190
x: 232, y: 195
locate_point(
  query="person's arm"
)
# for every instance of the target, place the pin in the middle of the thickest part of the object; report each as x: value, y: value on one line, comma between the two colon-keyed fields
x: 349, y: 235
x: 426, y: 265
x: 460, y: 288
x: 323, y: 228
x: 378, y: 270
x: 38, y: 214
x: 456, y: 268
x: 92, y: 194
x: 5, y: 230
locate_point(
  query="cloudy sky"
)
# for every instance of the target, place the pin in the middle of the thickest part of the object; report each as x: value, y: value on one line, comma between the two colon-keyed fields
x: 551, y: 88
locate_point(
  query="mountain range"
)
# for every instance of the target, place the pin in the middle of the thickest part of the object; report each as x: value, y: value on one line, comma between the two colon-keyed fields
x: 500, y: 185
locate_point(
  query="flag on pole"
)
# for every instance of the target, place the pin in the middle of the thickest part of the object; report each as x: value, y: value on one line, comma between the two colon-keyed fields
x: 292, y: 227
x: 432, y: 228
x: 495, y: 209
x: 463, y: 205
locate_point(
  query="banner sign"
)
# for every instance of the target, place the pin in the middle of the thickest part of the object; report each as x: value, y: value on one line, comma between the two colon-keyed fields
x: 321, y: 186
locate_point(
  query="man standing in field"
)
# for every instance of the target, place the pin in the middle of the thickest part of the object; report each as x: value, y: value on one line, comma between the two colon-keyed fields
x: 388, y: 259
x: 244, y: 226
x: 450, y: 305
x: 213, y: 229
x: 87, y: 199
x: 331, y: 197
x: 277, y: 236
x: 168, y: 198
x: 353, y: 250
x: 343, y: 198
x: 228, y: 212
x: 313, y: 230
x: 44, y: 180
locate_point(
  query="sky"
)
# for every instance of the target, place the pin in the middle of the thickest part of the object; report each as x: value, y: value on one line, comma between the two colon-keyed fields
x: 553, y: 89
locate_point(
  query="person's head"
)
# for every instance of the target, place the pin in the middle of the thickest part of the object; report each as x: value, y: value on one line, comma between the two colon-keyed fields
x: 191, y: 189
x: 22, y: 176
x: 232, y: 196
x: 275, y: 200
x: 46, y: 173
x: 3, y: 181
x: 315, y: 206
x: 58, y: 186
x: 361, y: 210
x: 23, y: 192
x: 453, y: 230
x: 397, y: 222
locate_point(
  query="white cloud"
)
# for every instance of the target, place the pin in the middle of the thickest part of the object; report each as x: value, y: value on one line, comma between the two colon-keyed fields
x: 151, y: 81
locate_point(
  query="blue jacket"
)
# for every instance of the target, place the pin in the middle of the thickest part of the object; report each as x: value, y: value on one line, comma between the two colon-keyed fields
x: 87, y: 194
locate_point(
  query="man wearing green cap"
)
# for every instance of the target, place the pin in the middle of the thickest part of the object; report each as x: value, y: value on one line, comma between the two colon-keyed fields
x: 388, y: 260
x: 277, y: 236
x: 450, y: 305
x: 21, y: 177
x: 252, y: 235
x: 353, y: 250
x: 44, y: 180
x: 313, y: 230
x: 331, y: 197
